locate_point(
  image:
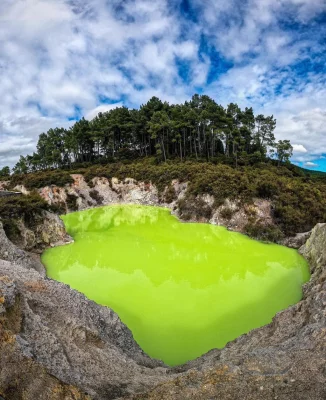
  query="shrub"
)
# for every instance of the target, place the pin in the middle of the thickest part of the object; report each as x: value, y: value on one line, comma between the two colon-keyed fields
x: 11, y: 229
x: 58, y: 208
x: 227, y: 213
x: 267, y: 190
x: 91, y: 184
x: 267, y: 233
x: 170, y: 194
x: 41, y: 179
x: 16, y: 206
x: 192, y: 207
x: 72, y: 202
x: 94, y: 194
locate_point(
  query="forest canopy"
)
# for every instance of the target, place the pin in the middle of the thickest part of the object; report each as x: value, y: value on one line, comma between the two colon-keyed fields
x: 199, y: 129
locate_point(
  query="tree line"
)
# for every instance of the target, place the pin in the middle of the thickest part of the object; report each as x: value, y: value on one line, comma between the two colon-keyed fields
x: 198, y: 129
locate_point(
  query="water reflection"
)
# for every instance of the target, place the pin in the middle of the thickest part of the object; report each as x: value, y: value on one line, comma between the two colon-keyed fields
x: 104, y: 218
x: 181, y: 288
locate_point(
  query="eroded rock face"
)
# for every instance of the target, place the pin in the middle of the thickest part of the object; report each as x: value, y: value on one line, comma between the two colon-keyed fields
x: 60, y: 332
x: 284, y: 360
x: 296, y: 241
x: 21, y: 376
x: 314, y: 250
x: 56, y: 344
x: 54, y: 340
x: 48, y: 231
x: 232, y: 214
x: 101, y: 191
x: 10, y: 252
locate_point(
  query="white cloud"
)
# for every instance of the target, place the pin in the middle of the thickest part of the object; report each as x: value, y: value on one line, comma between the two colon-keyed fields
x: 60, y: 58
x: 310, y: 164
x: 298, y: 148
x: 305, y: 123
x: 101, y: 109
x: 19, y: 136
x: 253, y: 26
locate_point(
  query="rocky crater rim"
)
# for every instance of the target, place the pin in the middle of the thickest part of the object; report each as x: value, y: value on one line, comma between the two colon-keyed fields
x: 74, y: 346
x: 254, y: 218
x: 130, y: 192
x: 53, y: 331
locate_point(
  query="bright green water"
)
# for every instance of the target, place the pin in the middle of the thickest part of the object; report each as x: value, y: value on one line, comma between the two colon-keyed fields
x: 182, y: 289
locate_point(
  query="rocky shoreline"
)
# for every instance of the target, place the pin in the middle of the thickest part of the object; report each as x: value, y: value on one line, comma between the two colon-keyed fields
x: 57, y: 344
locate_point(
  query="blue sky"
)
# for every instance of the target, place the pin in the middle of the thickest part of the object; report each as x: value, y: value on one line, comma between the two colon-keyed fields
x: 63, y: 59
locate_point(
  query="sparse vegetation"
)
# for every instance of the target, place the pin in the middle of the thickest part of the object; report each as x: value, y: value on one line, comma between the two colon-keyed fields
x: 192, y: 207
x: 96, y: 196
x: 28, y: 208
x: 226, y: 213
x: 264, y: 232
x: 41, y: 179
x: 72, y: 202
x: 251, y: 211
x: 170, y: 194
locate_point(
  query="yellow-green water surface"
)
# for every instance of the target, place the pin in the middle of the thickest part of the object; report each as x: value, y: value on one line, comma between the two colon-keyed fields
x: 182, y: 289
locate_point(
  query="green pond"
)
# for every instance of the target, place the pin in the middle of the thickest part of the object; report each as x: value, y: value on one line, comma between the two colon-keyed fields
x: 182, y: 289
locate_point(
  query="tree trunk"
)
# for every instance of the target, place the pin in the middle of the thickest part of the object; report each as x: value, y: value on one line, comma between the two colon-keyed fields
x: 195, y: 148
x: 163, y: 148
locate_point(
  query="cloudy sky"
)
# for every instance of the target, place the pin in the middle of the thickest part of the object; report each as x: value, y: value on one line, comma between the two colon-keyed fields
x: 64, y: 59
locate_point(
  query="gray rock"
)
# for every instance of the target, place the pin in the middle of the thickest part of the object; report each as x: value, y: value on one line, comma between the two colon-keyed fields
x: 57, y: 344
x: 10, y: 252
x: 77, y: 341
x: 296, y: 241
x: 47, y: 230
x: 130, y: 191
x: 285, y: 360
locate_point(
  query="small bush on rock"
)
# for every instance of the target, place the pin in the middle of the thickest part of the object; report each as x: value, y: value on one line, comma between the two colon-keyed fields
x: 192, y: 207
x: 94, y: 194
x: 260, y: 231
x: 170, y: 194
x: 72, y: 202
x: 227, y: 213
